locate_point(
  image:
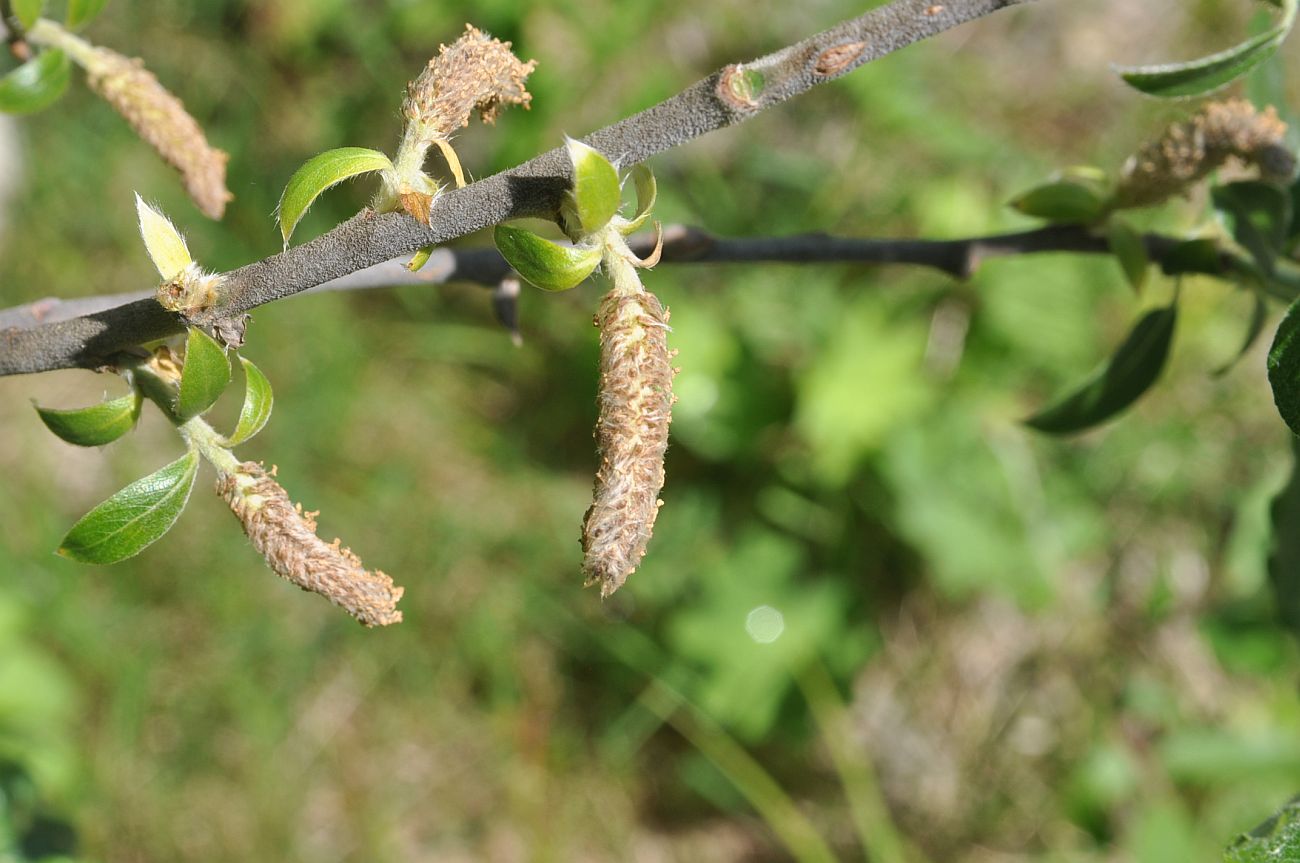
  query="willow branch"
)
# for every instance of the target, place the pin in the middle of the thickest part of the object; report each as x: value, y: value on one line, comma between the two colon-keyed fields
x: 959, y: 258
x: 725, y: 98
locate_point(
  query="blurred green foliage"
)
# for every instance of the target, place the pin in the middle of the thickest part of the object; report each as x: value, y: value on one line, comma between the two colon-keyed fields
x: 1055, y: 650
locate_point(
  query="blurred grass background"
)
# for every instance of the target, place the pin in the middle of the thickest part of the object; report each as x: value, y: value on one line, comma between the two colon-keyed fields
x: 1039, y: 649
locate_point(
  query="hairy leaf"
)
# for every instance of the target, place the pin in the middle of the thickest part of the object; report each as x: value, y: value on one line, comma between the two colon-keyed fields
x: 1194, y: 78
x: 165, y: 245
x: 84, y: 11
x: 1277, y: 840
x: 1063, y: 202
x: 647, y: 192
x: 1129, y: 250
x: 27, y: 11
x: 257, y: 405
x: 547, y: 265
x: 135, y: 517
x: 96, y: 425
x: 205, y: 375
x: 1130, y: 373
x: 320, y: 173
x: 595, y: 196
x: 1259, y: 216
x: 35, y: 85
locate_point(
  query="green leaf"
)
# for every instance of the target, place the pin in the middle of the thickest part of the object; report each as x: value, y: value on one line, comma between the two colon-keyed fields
x: 1178, y: 80
x: 165, y: 245
x: 1130, y: 373
x: 35, y: 85
x: 1258, y: 317
x: 547, y: 265
x: 1277, y: 840
x: 1284, y: 556
x: 27, y: 11
x: 1259, y: 216
x: 1130, y: 251
x: 204, y: 376
x: 320, y: 173
x: 96, y: 425
x: 596, y: 194
x: 647, y: 192
x: 84, y: 11
x: 257, y: 405
x: 1062, y: 202
x: 1284, y: 367
x: 135, y: 517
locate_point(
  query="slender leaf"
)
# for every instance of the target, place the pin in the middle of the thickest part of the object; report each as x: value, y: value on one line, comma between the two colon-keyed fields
x: 1062, y: 202
x: 320, y: 173
x: 35, y: 85
x: 1277, y: 840
x: 1259, y: 216
x: 594, y: 198
x: 84, y: 11
x: 1258, y: 317
x: 257, y: 405
x: 135, y: 517
x: 27, y: 11
x: 205, y: 375
x: 547, y: 265
x: 165, y: 245
x: 96, y: 425
x: 1130, y: 251
x: 1132, y: 370
x: 1194, y: 78
x: 647, y: 191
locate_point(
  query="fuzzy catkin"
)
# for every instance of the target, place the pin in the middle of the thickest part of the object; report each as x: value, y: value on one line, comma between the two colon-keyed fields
x: 1187, y: 152
x: 286, y: 536
x: 635, y: 400
x: 476, y: 72
x: 161, y: 120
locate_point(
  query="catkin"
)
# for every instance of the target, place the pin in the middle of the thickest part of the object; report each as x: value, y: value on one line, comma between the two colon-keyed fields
x: 161, y: 120
x: 635, y: 400
x: 1187, y: 152
x: 286, y: 537
x: 476, y: 72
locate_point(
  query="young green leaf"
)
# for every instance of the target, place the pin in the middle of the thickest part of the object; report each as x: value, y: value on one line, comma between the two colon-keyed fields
x: 27, y: 11
x: 257, y: 405
x: 1130, y: 373
x: 596, y: 193
x: 1259, y: 216
x: 135, y: 517
x: 204, y: 376
x: 96, y: 425
x: 1277, y: 840
x: 320, y: 173
x: 165, y: 245
x: 646, y: 193
x: 1129, y: 250
x: 35, y: 85
x: 547, y: 265
x: 1062, y: 202
x: 83, y: 11
x: 1284, y: 367
x: 1197, y: 77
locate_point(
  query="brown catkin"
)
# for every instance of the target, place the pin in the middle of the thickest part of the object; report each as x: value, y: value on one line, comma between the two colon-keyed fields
x: 1187, y: 152
x: 635, y: 400
x: 161, y: 120
x: 286, y: 537
x: 476, y: 72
